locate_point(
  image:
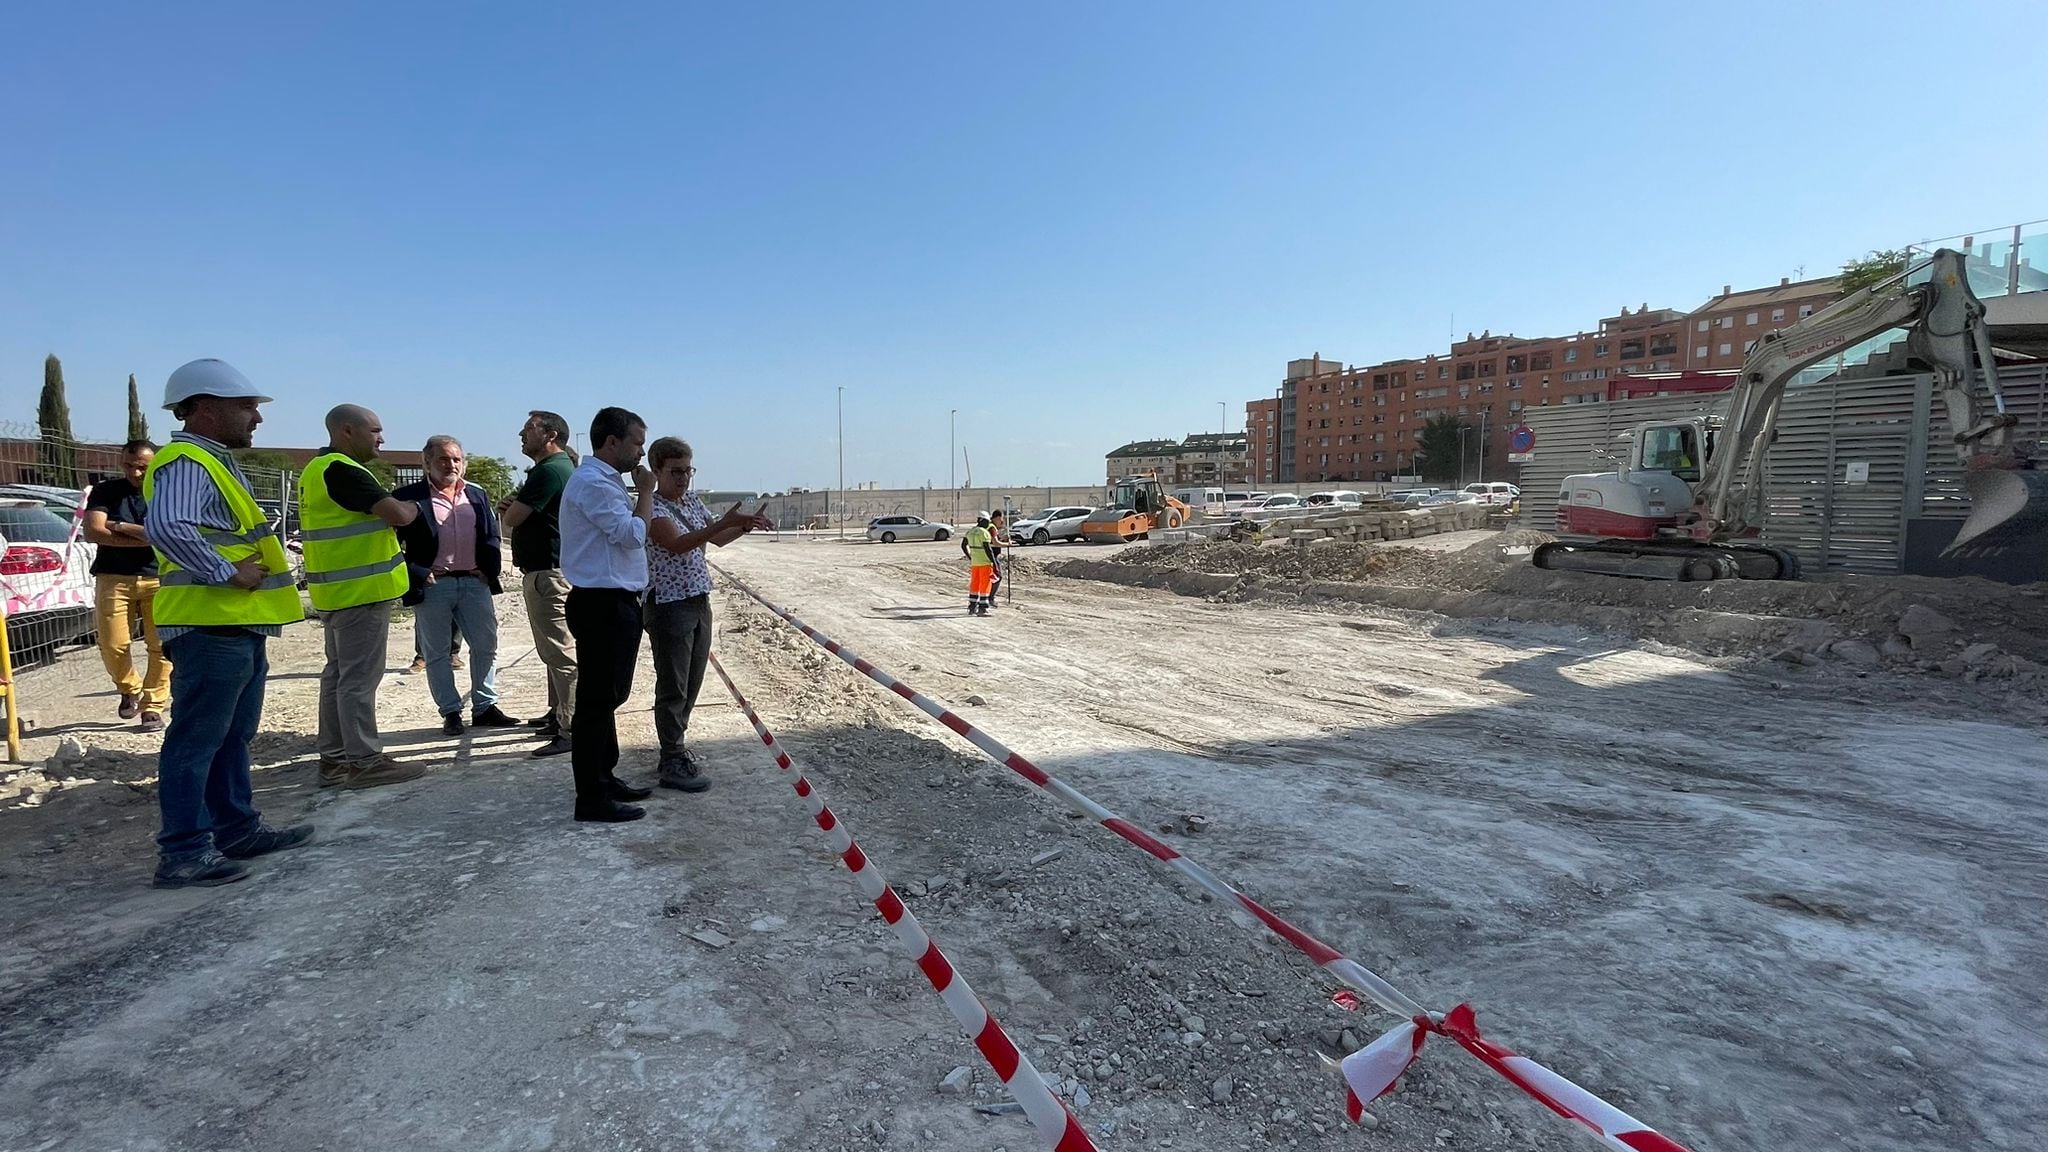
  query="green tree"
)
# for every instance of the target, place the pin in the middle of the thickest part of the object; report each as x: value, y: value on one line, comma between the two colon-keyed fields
x: 1876, y: 268
x: 493, y: 475
x: 57, y: 455
x: 138, y: 424
x: 384, y: 472
x: 1437, y: 453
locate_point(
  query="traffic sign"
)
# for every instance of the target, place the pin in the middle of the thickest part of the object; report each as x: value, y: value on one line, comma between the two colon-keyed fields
x: 1522, y: 439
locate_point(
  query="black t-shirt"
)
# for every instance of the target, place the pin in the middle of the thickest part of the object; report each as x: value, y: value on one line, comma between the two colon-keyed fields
x: 352, y: 487
x: 121, y: 500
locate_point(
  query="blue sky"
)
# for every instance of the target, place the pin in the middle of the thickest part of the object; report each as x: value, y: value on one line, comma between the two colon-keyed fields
x: 1076, y: 224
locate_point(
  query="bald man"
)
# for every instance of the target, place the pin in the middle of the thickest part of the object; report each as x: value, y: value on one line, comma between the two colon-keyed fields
x: 355, y: 572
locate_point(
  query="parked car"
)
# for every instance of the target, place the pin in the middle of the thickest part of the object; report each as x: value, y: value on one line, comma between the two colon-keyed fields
x: 890, y: 529
x: 1267, y: 504
x: 45, y: 578
x: 1342, y: 497
x: 1412, y: 495
x: 1235, y: 501
x: 1049, y: 525
x: 1494, y: 492
x: 61, y: 500
x: 1443, y: 498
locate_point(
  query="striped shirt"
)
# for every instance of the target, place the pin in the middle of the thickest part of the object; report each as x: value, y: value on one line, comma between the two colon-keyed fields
x: 187, y: 501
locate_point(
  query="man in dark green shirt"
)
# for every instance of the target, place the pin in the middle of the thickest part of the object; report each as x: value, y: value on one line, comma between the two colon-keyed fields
x: 532, y: 515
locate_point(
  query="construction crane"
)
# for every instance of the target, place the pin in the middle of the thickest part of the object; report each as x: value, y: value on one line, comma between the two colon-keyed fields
x: 1686, y: 504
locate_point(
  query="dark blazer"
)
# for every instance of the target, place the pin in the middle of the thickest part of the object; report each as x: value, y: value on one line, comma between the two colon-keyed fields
x: 422, y: 538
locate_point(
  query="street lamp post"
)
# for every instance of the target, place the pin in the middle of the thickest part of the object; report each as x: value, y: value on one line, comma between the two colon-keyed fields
x: 842, y: 461
x: 1222, y: 416
x: 952, y: 490
x: 1462, y: 429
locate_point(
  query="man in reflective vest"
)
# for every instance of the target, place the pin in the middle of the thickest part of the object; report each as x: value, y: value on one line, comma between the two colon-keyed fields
x: 980, y: 547
x: 355, y: 571
x: 224, y: 587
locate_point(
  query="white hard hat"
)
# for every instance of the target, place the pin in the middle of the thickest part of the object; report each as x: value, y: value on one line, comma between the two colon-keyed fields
x: 208, y: 377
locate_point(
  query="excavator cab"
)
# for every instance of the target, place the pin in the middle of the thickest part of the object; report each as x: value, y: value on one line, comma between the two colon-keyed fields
x: 1674, y: 448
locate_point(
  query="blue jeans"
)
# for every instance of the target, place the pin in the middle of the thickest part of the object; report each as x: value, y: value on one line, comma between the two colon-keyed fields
x: 465, y: 603
x: 203, y: 789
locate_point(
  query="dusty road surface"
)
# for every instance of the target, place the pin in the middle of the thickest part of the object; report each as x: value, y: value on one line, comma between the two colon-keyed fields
x: 1762, y: 907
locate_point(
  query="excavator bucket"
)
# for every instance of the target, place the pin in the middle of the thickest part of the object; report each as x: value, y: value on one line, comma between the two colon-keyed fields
x: 2005, y: 503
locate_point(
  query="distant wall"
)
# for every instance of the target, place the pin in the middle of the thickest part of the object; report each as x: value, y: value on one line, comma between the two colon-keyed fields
x: 958, y: 507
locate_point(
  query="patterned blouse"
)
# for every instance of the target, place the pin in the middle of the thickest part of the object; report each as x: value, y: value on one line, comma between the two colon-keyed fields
x: 678, y: 576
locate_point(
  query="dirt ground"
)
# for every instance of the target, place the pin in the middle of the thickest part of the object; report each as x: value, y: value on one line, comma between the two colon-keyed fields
x: 1763, y: 903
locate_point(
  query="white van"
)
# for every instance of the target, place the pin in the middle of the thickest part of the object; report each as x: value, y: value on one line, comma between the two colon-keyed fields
x: 1235, y: 501
x: 1494, y: 492
x: 1204, y: 501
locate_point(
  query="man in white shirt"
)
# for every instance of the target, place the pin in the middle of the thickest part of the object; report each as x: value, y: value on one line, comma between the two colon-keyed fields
x: 604, y: 559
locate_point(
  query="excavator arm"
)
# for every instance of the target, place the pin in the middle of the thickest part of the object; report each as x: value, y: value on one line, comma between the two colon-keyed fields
x: 1946, y: 329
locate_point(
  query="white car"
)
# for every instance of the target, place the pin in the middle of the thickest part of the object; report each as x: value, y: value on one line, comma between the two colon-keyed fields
x: 1267, y: 504
x: 890, y: 529
x: 1341, y: 498
x: 45, y: 580
x: 1442, y: 498
x: 1234, y: 502
x: 1412, y: 495
x: 1049, y: 525
x: 1494, y: 492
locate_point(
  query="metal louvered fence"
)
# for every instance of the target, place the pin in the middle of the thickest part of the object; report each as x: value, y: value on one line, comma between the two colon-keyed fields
x: 1856, y: 461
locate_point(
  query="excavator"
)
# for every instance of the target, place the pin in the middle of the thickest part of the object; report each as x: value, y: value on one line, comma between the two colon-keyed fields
x: 1686, y: 503
x: 1137, y: 505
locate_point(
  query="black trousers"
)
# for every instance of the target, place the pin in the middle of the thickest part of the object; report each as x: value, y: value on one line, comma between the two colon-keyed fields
x: 606, y: 625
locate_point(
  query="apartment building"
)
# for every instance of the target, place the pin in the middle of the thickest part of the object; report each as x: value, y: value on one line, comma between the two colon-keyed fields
x: 1330, y: 422
x: 1143, y: 458
x: 1205, y: 458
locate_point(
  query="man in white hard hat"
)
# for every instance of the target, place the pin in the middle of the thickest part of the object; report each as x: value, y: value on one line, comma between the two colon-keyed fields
x: 225, y: 587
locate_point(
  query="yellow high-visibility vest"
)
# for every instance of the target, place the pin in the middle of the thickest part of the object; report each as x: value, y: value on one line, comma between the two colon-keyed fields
x: 183, y: 599
x: 352, y: 558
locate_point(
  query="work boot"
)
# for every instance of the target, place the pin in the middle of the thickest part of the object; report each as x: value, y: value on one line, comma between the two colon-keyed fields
x: 681, y: 773
x: 544, y: 720
x: 418, y: 665
x: 151, y: 722
x: 383, y: 770
x: 493, y: 717
x: 265, y: 840
x: 209, y: 869
x: 333, y: 773
x: 547, y: 729
x: 130, y: 705
x: 555, y: 747
x: 451, y: 724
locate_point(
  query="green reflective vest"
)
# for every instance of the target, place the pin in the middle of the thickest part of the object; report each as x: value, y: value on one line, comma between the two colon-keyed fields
x: 352, y: 558
x: 978, y: 540
x: 184, y: 600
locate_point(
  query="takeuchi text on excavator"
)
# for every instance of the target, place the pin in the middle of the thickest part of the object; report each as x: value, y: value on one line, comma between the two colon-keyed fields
x: 1137, y: 506
x: 1686, y: 503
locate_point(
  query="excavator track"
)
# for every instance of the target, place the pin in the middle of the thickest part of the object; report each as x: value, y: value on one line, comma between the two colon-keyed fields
x: 1667, y: 560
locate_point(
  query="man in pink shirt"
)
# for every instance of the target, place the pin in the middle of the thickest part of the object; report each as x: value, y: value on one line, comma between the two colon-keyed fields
x: 453, y: 555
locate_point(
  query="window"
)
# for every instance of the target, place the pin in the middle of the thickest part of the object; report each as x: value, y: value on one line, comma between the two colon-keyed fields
x: 1599, y: 350
x: 1571, y: 355
x: 1699, y: 352
x: 1514, y: 405
x: 1726, y: 350
x: 1486, y: 367
x: 1518, y: 364
x: 1324, y: 387
x: 1777, y: 314
x: 1379, y: 380
x: 1805, y: 310
x: 1725, y: 322
x: 1539, y: 361
x: 1632, y: 349
x: 1401, y: 418
x: 1751, y: 319
x: 1663, y: 344
x: 1465, y: 371
x: 1378, y: 418
x: 1703, y: 325
x: 1748, y: 347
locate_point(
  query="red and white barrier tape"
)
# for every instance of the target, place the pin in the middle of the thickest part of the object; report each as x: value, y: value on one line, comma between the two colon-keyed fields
x: 1539, y: 1082
x: 1057, y: 1126
x: 17, y: 602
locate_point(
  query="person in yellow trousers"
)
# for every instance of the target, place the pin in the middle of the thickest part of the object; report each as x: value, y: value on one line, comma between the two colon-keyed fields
x: 224, y: 588
x: 124, y: 588
x: 980, y: 548
x: 355, y: 572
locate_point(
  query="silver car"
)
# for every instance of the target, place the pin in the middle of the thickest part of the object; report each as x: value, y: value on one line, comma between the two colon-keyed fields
x: 890, y: 529
x: 1049, y: 525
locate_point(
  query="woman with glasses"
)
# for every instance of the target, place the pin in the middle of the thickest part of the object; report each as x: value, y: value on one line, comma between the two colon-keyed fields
x: 679, y: 600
